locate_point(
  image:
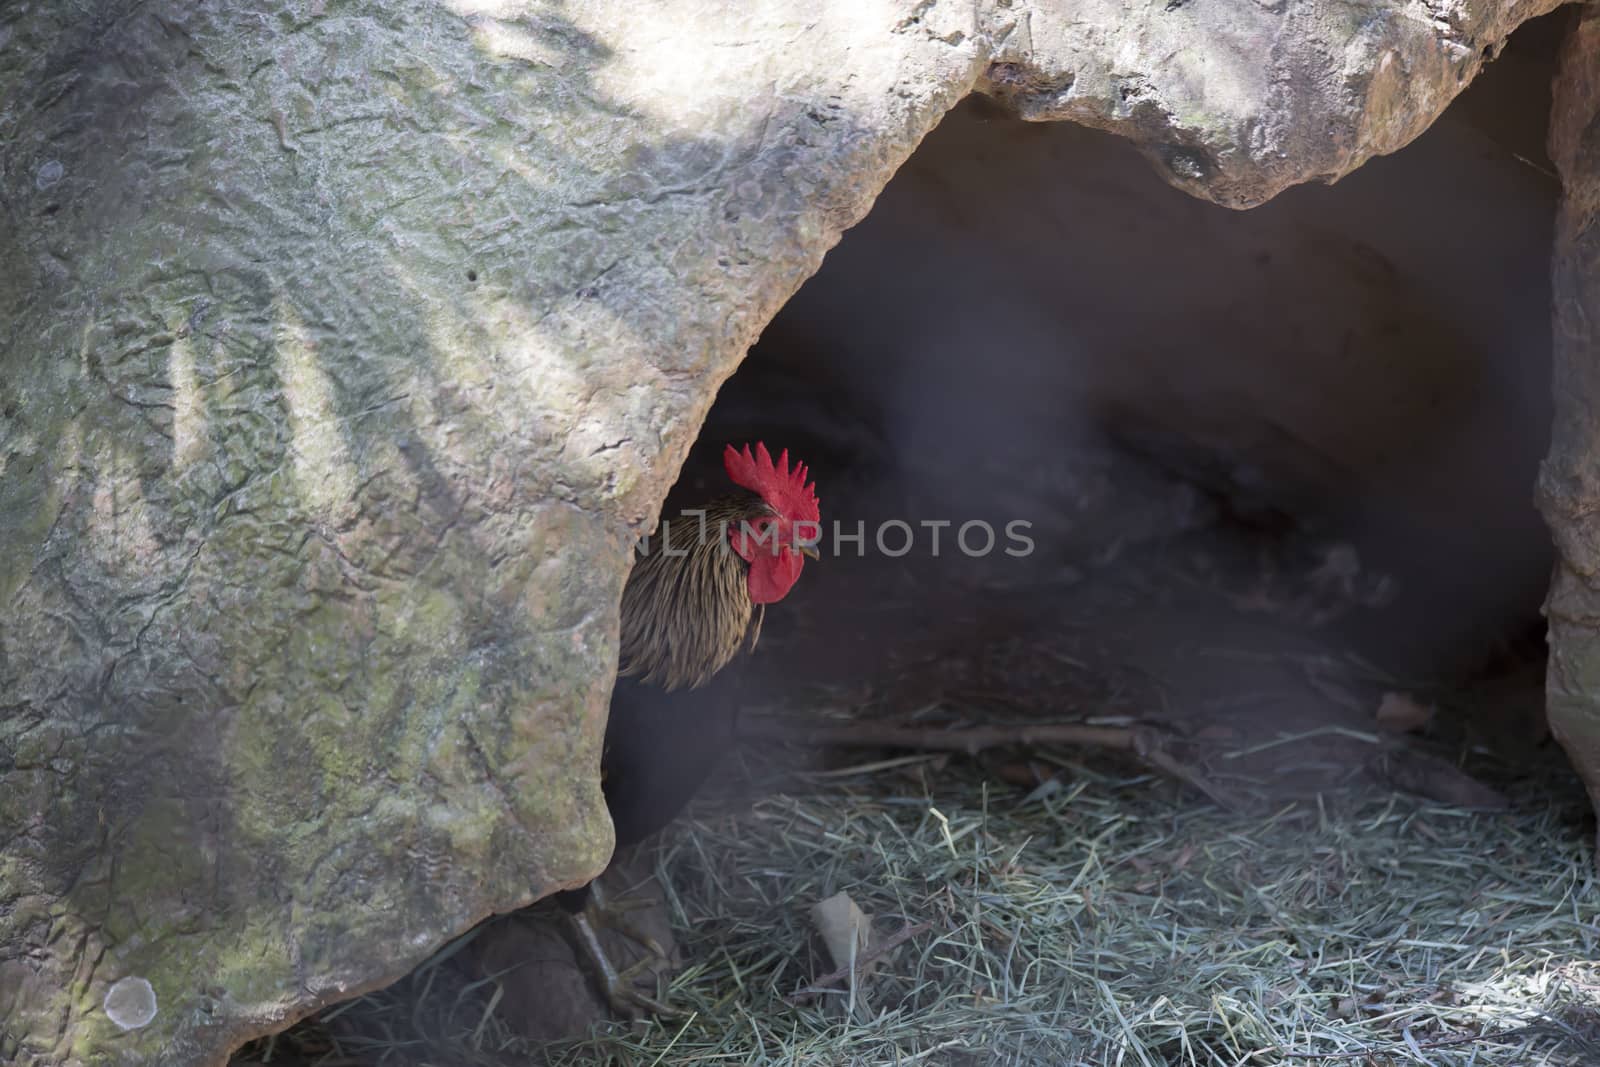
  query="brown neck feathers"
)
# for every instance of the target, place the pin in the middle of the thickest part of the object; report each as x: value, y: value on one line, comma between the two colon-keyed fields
x: 686, y: 609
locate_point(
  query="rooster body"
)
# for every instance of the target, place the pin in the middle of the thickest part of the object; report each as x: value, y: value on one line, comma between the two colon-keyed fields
x: 692, y: 605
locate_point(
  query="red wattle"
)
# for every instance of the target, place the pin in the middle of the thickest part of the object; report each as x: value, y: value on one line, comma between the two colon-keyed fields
x: 771, y: 577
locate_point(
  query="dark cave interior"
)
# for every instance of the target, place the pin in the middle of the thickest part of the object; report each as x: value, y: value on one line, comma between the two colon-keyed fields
x: 1275, y: 463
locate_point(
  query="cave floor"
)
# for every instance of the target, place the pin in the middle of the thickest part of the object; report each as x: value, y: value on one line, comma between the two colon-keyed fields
x: 1296, y: 884
x: 1106, y: 919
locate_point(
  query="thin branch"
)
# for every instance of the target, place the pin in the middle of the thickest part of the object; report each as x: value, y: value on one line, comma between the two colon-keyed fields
x: 1142, y: 741
x: 832, y: 978
x: 970, y: 740
x: 1164, y: 760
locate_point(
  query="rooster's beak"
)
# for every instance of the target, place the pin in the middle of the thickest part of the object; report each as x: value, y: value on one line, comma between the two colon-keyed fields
x: 809, y: 551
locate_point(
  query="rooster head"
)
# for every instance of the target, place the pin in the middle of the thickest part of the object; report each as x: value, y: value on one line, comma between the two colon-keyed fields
x: 773, y: 543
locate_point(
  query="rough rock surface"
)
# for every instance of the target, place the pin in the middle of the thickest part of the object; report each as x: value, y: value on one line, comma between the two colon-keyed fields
x: 1569, y: 481
x: 348, y: 347
x: 1236, y: 101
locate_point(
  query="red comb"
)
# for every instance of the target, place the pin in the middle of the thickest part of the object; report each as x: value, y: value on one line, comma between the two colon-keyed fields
x: 780, y: 487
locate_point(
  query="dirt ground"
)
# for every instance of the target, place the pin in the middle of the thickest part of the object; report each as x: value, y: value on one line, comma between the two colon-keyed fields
x: 1316, y: 853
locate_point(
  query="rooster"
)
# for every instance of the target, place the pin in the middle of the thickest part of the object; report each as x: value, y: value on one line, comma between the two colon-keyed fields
x: 693, y: 603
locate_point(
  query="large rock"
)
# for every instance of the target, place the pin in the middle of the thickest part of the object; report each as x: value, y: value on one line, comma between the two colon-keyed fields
x: 1234, y: 101
x: 348, y: 348
x: 1569, y: 482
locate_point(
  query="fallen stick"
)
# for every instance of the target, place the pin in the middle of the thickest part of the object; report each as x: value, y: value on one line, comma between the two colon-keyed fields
x: 970, y: 740
x: 1142, y: 741
x: 832, y: 978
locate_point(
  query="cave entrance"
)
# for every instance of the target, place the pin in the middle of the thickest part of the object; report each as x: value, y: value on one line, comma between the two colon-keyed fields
x: 1275, y: 466
x: 1274, y: 470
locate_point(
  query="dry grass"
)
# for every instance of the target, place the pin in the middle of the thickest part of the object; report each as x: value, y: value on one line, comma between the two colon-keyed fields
x: 1109, y: 921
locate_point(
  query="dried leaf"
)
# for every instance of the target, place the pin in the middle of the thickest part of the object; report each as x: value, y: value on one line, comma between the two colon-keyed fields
x: 1399, y: 714
x: 1047, y: 788
x: 846, y: 931
x: 1028, y: 774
